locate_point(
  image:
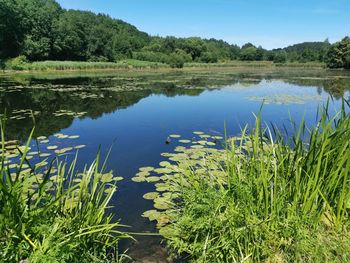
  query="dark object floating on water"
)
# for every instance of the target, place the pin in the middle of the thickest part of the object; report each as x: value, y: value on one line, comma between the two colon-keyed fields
x: 168, y: 140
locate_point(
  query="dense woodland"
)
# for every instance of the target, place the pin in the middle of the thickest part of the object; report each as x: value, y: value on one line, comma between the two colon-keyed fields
x: 38, y: 30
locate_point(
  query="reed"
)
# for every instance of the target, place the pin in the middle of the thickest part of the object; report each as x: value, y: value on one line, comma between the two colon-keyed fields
x: 50, y: 212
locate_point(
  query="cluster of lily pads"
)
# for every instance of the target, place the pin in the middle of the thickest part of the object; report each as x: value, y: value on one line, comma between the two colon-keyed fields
x: 60, y: 113
x: 190, y: 156
x: 13, y: 151
x: 22, y: 114
x: 285, y: 99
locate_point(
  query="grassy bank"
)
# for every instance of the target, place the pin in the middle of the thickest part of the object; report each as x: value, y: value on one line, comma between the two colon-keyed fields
x: 261, y: 198
x: 21, y: 64
x: 50, y: 212
x: 256, y: 64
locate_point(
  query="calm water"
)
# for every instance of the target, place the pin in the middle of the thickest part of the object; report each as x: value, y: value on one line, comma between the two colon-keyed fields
x: 136, y: 112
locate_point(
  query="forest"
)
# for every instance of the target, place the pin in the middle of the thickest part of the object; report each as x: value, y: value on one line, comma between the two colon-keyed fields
x: 39, y: 30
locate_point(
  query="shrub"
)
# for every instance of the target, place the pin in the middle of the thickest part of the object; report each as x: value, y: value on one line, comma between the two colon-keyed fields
x: 18, y: 63
x: 280, y: 57
x: 176, y: 60
x: 208, y: 57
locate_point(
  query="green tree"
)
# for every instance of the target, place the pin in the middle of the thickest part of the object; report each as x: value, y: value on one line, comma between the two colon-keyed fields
x: 38, y: 18
x: 248, y: 53
x: 338, y: 55
x: 208, y: 57
x: 176, y: 60
x: 194, y: 46
x: 280, y: 56
x: 11, y: 30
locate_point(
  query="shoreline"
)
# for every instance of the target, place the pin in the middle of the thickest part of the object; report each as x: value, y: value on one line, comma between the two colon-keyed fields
x: 164, y: 68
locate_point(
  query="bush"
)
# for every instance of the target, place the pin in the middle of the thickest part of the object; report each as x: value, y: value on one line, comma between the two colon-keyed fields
x: 208, y: 57
x: 176, y: 60
x: 280, y: 57
x: 18, y: 63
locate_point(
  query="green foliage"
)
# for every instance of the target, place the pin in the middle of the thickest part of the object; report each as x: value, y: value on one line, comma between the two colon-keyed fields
x: 248, y: 53
x: 263, y: 198
x: 42, y: 30
x: 52, y: 213
x: 176, y: 60
x: 2, y: 64
x: 280, y: 57
x: 208, y: 57
x: 11, y: 32
x: 308, y: 51
x: 18, y: 63
x: 339, y: 54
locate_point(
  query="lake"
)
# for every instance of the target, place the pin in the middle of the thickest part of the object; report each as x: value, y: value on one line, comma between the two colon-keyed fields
x: 135, y: 112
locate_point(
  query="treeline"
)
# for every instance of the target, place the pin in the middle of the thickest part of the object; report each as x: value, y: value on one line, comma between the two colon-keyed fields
x: 40, y: 30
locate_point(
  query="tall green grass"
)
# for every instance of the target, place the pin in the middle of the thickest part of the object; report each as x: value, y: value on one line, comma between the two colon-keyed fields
x: 266, y: 197
x: 49, y: 212
x: 233, y: 63
x: 301, y: 64
x: 20, y: 63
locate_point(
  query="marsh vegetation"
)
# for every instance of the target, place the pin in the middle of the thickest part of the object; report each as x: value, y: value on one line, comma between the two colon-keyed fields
x: 261, y: 196
x: 49, y: 210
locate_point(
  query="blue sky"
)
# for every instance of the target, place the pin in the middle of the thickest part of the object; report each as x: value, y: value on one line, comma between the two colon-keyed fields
x: 268, y: 23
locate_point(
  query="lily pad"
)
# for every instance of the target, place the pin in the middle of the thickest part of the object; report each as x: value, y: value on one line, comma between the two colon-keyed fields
x: 161, y: 187
x: 11, y: 166
x: 164, y: 164
x: 151, y: 214
x: 174, y: 136
x: 152, y: 179
x: 107, y: 178
x: 197, y: 146
x: 151, y: 196
x: 13, y: 155
x: 79, y: 146
x: 118, y: 178
x: 162, y: 220
x: 138, y: 179
x: 146, y: 169
x: 161, y: 203
x: 184, y: 141
x: 143, y: 174
x: 52, y: 147
x: 198, y: 132
x: 73, y: 137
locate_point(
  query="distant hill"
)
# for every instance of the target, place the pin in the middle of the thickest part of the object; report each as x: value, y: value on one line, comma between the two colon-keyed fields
x: 307, y: 46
